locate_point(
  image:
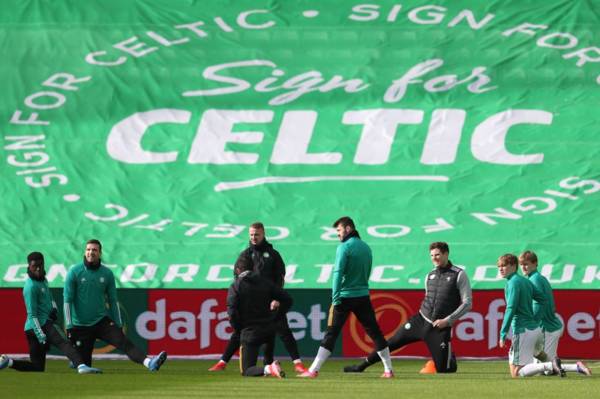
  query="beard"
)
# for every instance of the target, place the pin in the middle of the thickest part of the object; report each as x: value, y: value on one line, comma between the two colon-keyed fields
x: 38, y: 276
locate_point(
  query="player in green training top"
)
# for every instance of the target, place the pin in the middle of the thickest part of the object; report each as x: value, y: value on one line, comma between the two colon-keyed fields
x: 39, y: 326
x: 350, y: 293
x: 519, y: 293
x: 92, y: 311
x: 545, y: 313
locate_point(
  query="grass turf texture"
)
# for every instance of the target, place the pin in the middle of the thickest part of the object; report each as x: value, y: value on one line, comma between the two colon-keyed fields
x: 190, y: 378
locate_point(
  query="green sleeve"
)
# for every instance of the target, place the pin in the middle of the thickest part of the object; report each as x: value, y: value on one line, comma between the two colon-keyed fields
x: 111, y: 288
x: 540, y: 299
x: 509, y: 312
x: 30, y: 295
x: 338, y: 272
x: 68, y: 296
x: 540, y: 293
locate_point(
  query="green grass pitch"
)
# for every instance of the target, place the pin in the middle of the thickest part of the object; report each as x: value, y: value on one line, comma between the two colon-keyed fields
x: 190, y: 378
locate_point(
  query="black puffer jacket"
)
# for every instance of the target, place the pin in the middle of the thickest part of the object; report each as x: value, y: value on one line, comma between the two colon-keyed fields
x: 266, y: 261
x: 442, y: 295
x: 249, y: 299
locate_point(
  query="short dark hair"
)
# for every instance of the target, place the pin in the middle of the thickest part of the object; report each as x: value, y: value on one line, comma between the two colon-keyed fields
x: 530, y: 256
x: 442, y: 246
x: 257, y: 226
x: 35, y: 257
x: 345, y: 221
x: 94, y: 241
x: 243, y: 263
x: 508, y: 260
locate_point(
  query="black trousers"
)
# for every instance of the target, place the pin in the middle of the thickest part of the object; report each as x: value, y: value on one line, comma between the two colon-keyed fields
x: 84, y: 337
x: 37, y: 351
x: 232, y: 346
x: 282, y: 329
x: 252, y: 338
x: 363, y: 310
x: 436, y: 339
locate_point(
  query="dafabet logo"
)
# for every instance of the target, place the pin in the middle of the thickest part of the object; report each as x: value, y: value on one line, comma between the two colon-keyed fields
x: 391, y: 312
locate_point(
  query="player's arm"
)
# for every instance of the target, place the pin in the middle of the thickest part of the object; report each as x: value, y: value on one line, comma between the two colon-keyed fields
x: 279, y: 270
x: 539, y: 294
x: 53, y: 315
x: 31, y: 305
x: 113, y: 302
x: 341, y: 261
x: 284, y: 299
x: 539, y: 299
x: 233, y: 307
x: 68, y: 298
x: 509, y: 312
x: 466, y: 298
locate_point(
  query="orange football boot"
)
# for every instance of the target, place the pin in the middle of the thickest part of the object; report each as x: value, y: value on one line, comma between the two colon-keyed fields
x: 428, y: 368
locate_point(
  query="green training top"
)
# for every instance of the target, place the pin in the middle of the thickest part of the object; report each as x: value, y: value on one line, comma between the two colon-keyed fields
x: 519, y: 293
x: 352, y: 269
x: 39, y: 304
x: 545, y: 313
x: 86, y: 295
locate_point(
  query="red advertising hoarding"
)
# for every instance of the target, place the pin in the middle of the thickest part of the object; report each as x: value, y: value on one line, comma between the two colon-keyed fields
x: 185, y: 322
x: 13, y: 336
x: 194, y: 322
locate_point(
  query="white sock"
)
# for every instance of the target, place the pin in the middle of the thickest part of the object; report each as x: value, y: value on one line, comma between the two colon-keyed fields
x: 221, y: 361
x: 10, y: 362
x: 296, y: 361
x: 267, y: 370
x: 532, y: 369
x: 385, y: 358
x: 147, y: 362
x: 538, y: 361
x: 570, y: 367
x: 322, y: 355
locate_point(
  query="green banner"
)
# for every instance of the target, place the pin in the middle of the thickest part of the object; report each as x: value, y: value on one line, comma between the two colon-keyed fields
x: 164, y: 128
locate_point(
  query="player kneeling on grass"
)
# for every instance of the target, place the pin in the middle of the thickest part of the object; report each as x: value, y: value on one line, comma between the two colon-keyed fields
x: 268, y: 263
x: 447, y: 298
x: 252, y: 311
x: 552, y: 328
x: 520, y: 293
x: 39, y: 326
x: 92, y: 310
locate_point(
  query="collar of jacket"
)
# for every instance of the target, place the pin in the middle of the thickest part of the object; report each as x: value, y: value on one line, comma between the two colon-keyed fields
x: 353, y: 233
x: 443, y: 269
x: 92, y: 266
x: 264, y: 246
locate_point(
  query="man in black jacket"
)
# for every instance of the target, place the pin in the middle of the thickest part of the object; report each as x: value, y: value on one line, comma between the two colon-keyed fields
x: 267, y: 262
x: 447, y: 297
x: 254, y: 304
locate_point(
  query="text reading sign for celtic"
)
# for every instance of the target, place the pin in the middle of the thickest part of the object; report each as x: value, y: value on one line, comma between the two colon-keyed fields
x: 165, y: 133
